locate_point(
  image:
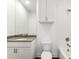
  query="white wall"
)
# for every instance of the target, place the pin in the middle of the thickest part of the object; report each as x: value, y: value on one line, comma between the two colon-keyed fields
x: 58, y: 31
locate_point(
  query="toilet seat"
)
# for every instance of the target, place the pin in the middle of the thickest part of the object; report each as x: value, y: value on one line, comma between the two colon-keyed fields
x: 46, y: 55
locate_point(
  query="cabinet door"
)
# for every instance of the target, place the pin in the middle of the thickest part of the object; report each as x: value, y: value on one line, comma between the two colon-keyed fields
x: 47, y: 8
x: 11, y: 54
x: 42, y: 9
x: 51, y: 9
x: 19, y: 53
x: 23, y: 53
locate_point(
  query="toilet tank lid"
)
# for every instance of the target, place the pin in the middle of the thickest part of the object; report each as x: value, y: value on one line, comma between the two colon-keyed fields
x: 46, y: 42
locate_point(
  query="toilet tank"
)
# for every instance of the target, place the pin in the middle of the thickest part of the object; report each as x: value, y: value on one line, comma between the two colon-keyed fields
x: 46, y: 46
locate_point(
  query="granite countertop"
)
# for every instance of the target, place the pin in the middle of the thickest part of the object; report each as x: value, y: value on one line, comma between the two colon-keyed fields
x: 21, y: 38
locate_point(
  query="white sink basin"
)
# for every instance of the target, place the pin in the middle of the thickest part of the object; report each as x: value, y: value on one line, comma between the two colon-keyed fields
x: 22, y: 39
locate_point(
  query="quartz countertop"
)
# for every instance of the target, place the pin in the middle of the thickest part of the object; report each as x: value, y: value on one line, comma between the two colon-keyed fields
x: 21, y: 38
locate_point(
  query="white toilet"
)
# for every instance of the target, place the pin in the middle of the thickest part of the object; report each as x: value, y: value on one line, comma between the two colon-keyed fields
x: 46, y: 53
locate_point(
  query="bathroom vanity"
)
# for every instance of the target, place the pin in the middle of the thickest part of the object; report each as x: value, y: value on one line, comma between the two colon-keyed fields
x: 21, y: 29
x: 21, y: 48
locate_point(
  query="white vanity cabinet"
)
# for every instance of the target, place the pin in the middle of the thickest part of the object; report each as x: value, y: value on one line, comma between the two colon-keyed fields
x: 21, y: 50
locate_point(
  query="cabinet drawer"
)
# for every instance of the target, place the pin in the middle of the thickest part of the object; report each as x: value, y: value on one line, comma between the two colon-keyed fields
x: 19, y: 44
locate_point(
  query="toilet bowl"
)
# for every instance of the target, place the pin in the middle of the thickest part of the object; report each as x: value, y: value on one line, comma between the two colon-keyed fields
x: 46, y: 50
x: 46, y: 55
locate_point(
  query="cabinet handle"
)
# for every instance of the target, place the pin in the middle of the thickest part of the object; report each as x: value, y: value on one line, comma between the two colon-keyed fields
x: 69, y: 10
x: 15, y: 50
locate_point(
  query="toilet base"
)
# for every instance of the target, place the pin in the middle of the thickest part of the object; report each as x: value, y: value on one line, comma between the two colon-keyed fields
x: 46, y: 55
x: 52, y: 57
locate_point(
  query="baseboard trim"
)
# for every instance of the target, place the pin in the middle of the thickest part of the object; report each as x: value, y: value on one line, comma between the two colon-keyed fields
x: 52, y: 57
x: 37, y: 58
x: 55, y: 57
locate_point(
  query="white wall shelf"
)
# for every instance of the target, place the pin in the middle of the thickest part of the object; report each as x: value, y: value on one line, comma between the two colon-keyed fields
x: 46, y: 22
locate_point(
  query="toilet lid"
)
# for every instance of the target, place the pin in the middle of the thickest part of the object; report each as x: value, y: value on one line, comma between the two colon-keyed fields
x: 46, y: 55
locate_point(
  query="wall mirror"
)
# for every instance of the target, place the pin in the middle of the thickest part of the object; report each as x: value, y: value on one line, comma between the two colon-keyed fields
x: 21, y: 17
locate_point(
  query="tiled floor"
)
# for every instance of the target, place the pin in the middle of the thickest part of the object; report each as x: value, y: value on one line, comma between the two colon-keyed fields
x: 56, y: 58
x: 52, y: 58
